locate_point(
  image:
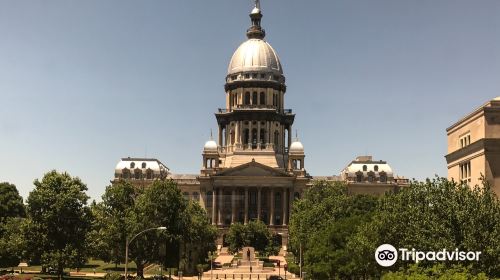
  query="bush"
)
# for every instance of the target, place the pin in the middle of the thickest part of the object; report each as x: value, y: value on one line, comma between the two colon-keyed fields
x: 113, y: 276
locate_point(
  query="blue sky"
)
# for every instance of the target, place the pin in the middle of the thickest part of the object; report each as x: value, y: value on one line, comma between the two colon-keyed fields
x: 84, y: 83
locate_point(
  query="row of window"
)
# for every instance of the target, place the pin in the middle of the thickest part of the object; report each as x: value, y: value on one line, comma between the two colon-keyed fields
x: 465, y: 172
x: 254, y: 76
x: 371, y: 178
x: 464, y: 140
x: 375, y: 168
x: 253, y: 98
x: 138, y: 174
x: 132, y: 165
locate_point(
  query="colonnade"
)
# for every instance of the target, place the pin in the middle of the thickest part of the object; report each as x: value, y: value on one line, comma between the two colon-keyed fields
x: 243, y: 204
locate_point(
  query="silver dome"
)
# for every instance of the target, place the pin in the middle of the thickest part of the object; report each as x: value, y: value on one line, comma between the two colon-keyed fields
x: 255, y: 55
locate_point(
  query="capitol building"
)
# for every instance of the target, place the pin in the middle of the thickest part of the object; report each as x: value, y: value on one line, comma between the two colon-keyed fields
x: 254, y: 169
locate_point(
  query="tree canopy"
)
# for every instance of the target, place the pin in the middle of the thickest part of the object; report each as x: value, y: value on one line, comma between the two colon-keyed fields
x: 340, y: 233
x: 59, y: 220
x: 12, y: 211
x: 253, y: 234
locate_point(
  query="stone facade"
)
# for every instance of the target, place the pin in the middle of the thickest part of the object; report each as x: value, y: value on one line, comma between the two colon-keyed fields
x: 474, y: 146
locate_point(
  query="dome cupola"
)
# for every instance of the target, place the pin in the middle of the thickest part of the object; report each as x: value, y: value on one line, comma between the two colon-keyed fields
x: 255, y: 60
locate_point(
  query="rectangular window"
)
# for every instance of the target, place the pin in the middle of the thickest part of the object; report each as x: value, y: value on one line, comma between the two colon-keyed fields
x: 464, y: 140
x: 465, y: 172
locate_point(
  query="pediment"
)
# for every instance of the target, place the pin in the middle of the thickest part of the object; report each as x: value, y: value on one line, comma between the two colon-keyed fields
x: 253, y: 168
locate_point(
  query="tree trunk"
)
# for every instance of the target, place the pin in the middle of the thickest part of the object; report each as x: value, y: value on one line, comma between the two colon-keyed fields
x: 140, y: 269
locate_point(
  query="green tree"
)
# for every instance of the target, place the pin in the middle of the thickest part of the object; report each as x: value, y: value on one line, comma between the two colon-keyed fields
x: 12, y: 211
x: 11, y: 203
x: 161, y: 204
x: 199, y: 237
x: 438, y: 272
x: 254, y: 234
x: 59, y: 220
x: 431, y: 216
x: 322, y: 222
x: 109, y: 226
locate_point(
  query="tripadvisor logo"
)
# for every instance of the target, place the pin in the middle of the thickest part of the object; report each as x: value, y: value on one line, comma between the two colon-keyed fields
x: 386, y: 255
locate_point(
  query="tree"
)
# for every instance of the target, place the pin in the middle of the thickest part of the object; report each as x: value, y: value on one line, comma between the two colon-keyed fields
x: 198, y: 239
x: 431, y: 216
x: 322, y: 222
x: 60, y: 219
x: 254, y: 234
x: 12, y: 244
x: 11, y: 203
x: 161, y: 204
x: 109, y: 226
x: 12, y: 211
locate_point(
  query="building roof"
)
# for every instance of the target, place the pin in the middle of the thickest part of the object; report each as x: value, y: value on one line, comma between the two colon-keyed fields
x: 255, y: 55
x: 493, y: 103
x: 366, y: 164
x: 140, y: 163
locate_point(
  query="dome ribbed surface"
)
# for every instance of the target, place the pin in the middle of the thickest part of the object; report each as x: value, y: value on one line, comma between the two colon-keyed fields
x: 255, y: 55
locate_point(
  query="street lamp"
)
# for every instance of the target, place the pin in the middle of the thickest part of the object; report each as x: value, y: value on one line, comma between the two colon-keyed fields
x: 128, y: 241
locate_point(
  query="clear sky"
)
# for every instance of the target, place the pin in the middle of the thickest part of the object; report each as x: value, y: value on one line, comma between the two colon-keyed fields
x: 84, y: 83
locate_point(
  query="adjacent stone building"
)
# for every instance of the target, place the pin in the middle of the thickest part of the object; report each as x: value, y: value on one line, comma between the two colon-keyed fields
x: 474, y: 146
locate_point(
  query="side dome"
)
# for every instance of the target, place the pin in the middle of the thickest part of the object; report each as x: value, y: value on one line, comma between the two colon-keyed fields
x: 255, y: 55
x: 296, y: 147
x: 210, y: 146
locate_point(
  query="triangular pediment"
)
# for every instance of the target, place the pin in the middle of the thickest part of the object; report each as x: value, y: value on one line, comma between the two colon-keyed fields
x: 253, y: 168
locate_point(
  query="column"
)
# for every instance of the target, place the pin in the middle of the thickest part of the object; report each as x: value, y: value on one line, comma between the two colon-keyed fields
x: 220, y: 135
x: 250, y: 140
x: 271, y: 218
x: 268, y: 129
x: 289, y: 136
x: 246, y: 206
x: 219, y: 209
x: 259, y: 202
x: 285, y: 208
x: 258, y: 134
x: 233, y: 206
x: 237, y: 133
x: 214, y: 206
x: 290, y: 201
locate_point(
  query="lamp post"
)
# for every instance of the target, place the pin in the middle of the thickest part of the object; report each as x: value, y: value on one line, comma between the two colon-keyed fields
x: 300, y: 260
x: 128, y: 241
x: 211, y: 255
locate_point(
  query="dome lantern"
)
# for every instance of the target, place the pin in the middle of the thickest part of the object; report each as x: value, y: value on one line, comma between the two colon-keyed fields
x: 256, y: 31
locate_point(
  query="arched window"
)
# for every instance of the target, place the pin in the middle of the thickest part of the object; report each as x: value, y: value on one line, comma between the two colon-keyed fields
x: 246, y: 135
x: 365, y: 168
x: 254, y: 98
x: 138, y: 174
x: 359, y: 177
x: 277, y: 200
x: 247, y: 98
x: 383, y: 177
x: 196, y: 196
x: 143, y: 165
x: 276, y: 138
x: 186, y: 195
x: 209, y: 201
x: 125, y: 173
x: 149, y: 174
x: 376, y: 168
x: 254, y: 136
x: 262, y: 98
x: 262, y: 136
x: 132, y: 165
x: 296, y: 195
x: 371, y: 177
